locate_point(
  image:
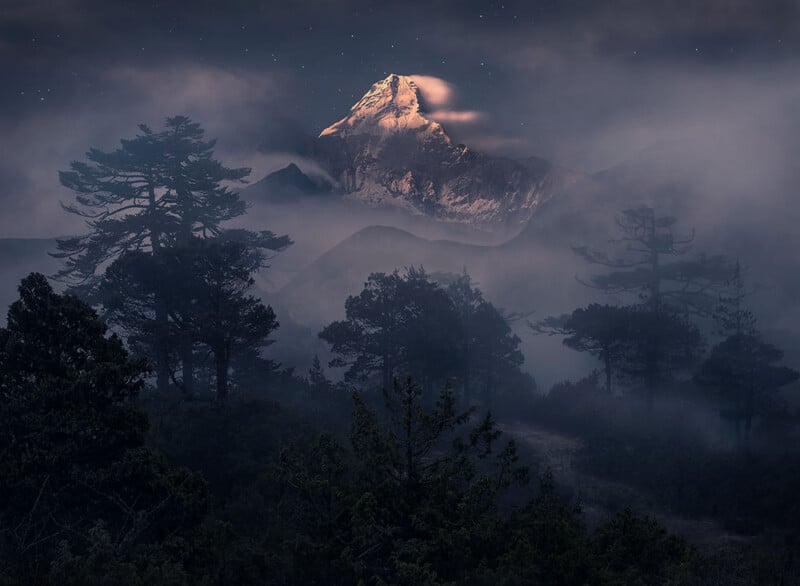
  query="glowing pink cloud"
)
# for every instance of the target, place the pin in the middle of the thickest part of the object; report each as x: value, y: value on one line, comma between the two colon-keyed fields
x: 436, y: 91
x: 438, y: 95
x: 461, y: 116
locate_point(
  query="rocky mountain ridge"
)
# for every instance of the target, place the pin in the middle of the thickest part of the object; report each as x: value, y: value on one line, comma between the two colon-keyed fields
x: 387, y: 152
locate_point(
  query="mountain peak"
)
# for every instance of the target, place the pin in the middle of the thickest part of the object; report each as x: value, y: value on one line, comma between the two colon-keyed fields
x: 393, y: 104
x: 387, y: 152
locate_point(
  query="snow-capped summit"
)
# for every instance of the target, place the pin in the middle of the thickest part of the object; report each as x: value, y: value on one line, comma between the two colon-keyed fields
x: 391, y: 105
x: 387, y: 152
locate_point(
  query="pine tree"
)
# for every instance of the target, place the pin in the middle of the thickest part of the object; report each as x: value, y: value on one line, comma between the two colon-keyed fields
x: 225, y: 316
x: 601, y: 330
x: 743, y: 369
x: 153, y: 191
x: 653, y: 265
x: 467, y: 300
x: 316, y: 376
x: 72, y: 450
x: 420, y: 470
x: 668, y: 286
x: 157, y: 191
x: 408, y: 324
x: 488, y: 349
x: 731, y: 315
x: 369, y: 339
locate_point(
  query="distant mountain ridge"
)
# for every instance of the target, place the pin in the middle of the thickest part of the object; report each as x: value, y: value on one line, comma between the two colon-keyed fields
x: 386, y: 152
x: 342, y: 270
x: 286, y: 185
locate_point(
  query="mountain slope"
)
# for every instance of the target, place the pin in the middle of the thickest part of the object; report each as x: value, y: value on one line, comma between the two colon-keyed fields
x: 391, y: 105
x: 286, y: 185
x: 387, y: 152
x: 343, y: 269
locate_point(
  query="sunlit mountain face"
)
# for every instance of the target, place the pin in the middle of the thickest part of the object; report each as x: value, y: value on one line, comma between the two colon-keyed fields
x: 388, y: 152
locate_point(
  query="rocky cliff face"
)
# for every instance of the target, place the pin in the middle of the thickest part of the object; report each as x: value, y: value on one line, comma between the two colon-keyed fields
x: 386, y: 152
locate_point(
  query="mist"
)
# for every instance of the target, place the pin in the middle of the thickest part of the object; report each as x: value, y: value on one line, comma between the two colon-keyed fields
x: 442, y: 293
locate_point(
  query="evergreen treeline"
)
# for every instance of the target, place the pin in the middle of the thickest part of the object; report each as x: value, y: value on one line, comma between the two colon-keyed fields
x: 414, y: 495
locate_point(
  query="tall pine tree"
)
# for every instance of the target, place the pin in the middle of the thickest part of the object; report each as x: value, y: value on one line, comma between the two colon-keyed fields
x: 157, y: 191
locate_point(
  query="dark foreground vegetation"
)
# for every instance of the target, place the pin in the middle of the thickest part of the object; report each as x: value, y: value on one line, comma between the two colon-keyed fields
x: 147, y: 438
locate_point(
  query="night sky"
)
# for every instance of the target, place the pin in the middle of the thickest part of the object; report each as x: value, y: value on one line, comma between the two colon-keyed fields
x: 581, y: 82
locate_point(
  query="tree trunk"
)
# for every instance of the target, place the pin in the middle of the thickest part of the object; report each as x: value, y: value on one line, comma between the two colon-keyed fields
x: 161, y: 345
x: 185, y: 235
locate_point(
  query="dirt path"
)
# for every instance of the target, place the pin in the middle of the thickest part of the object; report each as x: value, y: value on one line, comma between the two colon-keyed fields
x: 600, y: 497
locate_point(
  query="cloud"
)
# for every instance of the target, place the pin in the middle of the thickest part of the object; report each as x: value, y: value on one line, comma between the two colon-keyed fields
x: 436, y: 91
x: 231, y: 104
x: 498, y: 145
x: 458, y: 116
x: 61, y: 12
x: 439, y: 96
